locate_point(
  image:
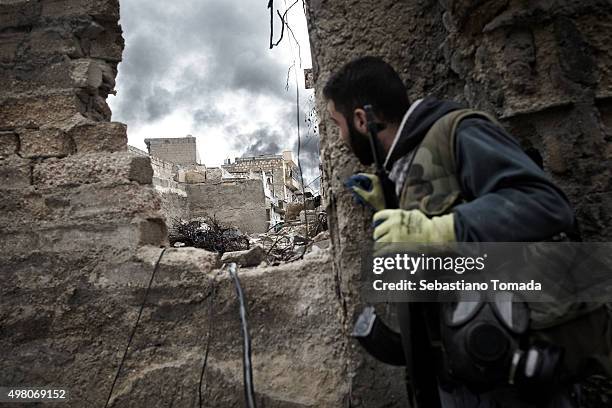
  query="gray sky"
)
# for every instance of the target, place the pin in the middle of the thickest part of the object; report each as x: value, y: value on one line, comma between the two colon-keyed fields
x: 204, y: 67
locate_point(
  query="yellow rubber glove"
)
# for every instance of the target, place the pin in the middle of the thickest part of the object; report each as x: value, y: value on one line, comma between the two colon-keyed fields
x: 367, y: 190
x: 413, y: 226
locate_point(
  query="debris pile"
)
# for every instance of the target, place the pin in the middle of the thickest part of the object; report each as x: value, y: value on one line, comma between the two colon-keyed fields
x: 207, y: 233
x: 285, y: 242
x: 289, y: 241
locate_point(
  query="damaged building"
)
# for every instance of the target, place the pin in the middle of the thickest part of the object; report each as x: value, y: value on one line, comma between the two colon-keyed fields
x: 250, y: 193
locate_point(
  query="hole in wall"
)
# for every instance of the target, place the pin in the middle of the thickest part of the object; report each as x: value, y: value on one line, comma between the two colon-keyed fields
x: 205, y: 70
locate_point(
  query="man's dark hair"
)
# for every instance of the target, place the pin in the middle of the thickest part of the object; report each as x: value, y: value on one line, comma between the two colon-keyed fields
x: 368, y: 80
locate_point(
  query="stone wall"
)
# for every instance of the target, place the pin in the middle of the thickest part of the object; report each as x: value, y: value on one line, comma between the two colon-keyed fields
x: 173, y: 198
x: 81, y: 231
x: 64, y: 167
x: 293, y: 319
x: 239, y: 202
x: 75, y: 207
x: 543, y: 67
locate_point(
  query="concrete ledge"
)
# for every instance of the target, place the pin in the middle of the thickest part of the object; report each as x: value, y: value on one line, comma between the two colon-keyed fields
x: 88, y: 203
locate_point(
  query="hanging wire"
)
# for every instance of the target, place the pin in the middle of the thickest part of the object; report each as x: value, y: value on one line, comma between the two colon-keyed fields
x: 285, y: 21
x: 209, y: 335
x: 142, y: 305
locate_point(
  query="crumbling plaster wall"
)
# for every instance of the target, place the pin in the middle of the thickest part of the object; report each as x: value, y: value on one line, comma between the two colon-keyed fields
x: 81, y: 230
x: 542, y: 66
x: 240, y: 203
x: 173, y: 197
x: 282, y: 170
x: 186, y: 194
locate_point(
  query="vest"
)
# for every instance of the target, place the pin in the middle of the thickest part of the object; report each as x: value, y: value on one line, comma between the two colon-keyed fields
x: 431, y: 184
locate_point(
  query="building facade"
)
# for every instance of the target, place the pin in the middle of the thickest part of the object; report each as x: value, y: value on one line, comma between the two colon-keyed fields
x: 252, y: 193
x: 280, y: 171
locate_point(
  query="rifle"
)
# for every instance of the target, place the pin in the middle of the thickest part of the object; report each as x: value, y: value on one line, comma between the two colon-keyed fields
x: 378, y: 339
x: 387, y: 185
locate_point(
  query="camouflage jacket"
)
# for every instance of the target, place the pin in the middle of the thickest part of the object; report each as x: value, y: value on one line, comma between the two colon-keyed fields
x: 482, y: 174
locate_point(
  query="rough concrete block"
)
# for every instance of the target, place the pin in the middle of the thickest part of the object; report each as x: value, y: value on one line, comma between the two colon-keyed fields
x: 177, y: 264
x: 115, y: 168
x: 21, y: 205
x: 152, y: 231
x: 108, y: 45
x: 15, y: 172
x: 298, y: 344
x: 90, y: 136
x: 38, y: 110
x: 9, y: 144
x: 18, y: 13
x: 251, y: 257
x: 10, y: 44
x: 100, y: 9
x: 86, y: 73
x: 28, y: 78
x: 46, y: 142
x: 45, y: 43
x: 90, y: 31
x: 90, y: 203
x: 100, y: 109
x: 74, y: 240
x: 109, y: 72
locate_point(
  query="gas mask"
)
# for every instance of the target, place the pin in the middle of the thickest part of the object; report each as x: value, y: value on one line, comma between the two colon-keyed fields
x: 486, y: 345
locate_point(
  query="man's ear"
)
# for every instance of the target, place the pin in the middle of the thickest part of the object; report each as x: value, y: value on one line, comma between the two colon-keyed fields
x: 360, y: 121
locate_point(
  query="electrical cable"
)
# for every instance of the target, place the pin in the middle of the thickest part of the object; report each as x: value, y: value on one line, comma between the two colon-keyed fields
x: 144, y: 300
x: 247, y: 368
x: 211, y: 300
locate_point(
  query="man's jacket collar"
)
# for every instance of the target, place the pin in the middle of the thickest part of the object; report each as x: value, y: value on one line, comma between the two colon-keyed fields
x: 421, y: 115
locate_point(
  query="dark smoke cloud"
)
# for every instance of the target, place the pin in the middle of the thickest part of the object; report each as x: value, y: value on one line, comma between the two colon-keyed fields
x: 260, y: 147
x: 186, y: 54
x: 261, y: 141
x: 309, y: 157
x: 229, y: 37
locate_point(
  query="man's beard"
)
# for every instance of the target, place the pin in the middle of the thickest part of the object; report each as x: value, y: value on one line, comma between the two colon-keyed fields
x: 360, y: 145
